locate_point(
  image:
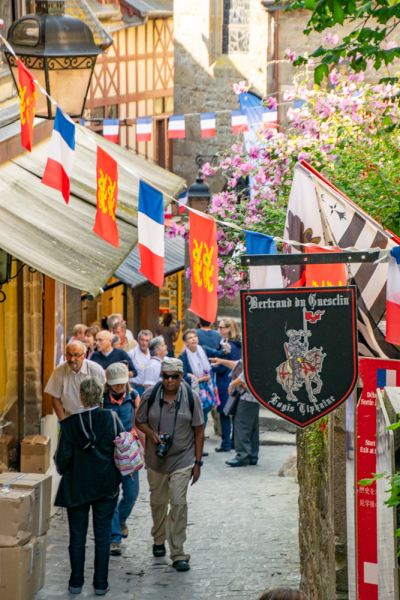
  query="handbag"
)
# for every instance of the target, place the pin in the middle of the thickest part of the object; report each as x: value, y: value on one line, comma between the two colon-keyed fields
x: 127, y: 455
x: 230, y: 407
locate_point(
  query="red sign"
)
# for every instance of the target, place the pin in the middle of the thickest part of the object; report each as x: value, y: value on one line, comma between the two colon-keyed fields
x: 27, y: 102
x: 375, y: 373
x: 203, y: 251
x: 107, y: 196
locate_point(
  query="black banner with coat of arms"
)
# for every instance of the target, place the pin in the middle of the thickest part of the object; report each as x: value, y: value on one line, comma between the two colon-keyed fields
x: 300, y: 349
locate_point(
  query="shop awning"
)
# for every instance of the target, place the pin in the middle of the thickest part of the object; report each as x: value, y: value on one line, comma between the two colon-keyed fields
x: 128, y: 272
x: 38, y: 228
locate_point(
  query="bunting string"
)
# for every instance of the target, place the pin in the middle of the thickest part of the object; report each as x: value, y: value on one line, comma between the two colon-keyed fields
x: 209, y: 117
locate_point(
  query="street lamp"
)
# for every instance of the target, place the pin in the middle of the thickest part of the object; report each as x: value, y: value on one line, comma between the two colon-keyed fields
x: 199, y: 195
x: 59, y: 51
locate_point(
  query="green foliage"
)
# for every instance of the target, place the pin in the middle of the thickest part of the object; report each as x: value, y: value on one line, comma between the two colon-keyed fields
x: 374, y: 24
x: 314, y: 440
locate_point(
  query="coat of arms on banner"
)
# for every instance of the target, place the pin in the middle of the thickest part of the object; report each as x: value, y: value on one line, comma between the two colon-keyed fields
x: 300, y: 349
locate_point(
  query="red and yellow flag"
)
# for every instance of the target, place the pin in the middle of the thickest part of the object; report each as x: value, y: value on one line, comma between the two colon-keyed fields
x: 107, y: 197
x: 325, y: 275
x: 27, y: 100
x: 203, y: 251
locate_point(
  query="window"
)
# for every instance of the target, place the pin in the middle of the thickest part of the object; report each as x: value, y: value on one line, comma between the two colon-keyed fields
x: 112, y: 112
x: 236, y: 28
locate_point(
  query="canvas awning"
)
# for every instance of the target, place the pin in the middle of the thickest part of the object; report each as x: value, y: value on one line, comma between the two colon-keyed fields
x: 38, y: 228
x: 128, y: 271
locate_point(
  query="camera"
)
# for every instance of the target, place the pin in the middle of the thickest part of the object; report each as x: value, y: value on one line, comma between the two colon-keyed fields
x: 166, y: 443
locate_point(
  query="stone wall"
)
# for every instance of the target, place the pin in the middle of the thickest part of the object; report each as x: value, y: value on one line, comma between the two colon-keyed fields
x: 322, y: 508
x: 204, y: 78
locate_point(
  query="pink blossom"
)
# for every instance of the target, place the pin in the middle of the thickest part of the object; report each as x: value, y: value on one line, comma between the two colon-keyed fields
x: 334, y: 77
x: 226, y: 163
x: 220, y: 292
x: 341, y: 59
x: 220, y: 235
x: 290, y: 55
x: 237, y: 160
x: 272, y: 103
x: 358, y: 55
x: 254, y: 152
x: 391, y: 45
x: 172, y: 232
x: 237, y: 149
x: 370, y: 63
x: 240, y: 88
x: 288, y: 96
x: 188, y: 273
x: 360, y: 76
x: 335, y: 39
x: 328, y: 38
x: 208, y: 170
x: 310, y: 62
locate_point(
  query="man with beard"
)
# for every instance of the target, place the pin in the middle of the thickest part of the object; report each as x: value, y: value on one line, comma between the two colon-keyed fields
x: 65, y: 380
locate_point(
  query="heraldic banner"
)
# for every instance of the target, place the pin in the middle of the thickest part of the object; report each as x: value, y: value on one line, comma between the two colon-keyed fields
x: 300, y: 349
x: 27, y: 102
x: 203, y: 251
x: 107, y: 196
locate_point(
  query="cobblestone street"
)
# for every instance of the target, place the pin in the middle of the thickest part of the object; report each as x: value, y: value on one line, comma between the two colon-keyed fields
x: 242, y: 537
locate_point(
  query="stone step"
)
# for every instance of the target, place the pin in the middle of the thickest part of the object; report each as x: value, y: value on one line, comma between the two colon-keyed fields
x: 277, y: 438
x: 269, y: 421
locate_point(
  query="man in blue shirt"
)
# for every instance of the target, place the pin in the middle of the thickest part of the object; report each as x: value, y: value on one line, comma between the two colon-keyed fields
x: 106, y: 355
x: 207, y: 336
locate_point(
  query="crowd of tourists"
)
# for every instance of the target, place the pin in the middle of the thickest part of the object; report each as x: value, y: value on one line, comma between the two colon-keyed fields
x: 111, y: 383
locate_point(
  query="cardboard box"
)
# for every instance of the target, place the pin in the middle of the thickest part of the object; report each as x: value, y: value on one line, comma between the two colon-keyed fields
x: 16, y: 509
x: 6, y: 443
x: 41, y: 487
x: 39, y: 560
x: 16, y: 573
x: 35, y: 454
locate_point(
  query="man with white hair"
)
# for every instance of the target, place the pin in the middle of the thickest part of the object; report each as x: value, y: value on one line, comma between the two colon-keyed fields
x: 65, y: 380
x: 116, y: 318
x: 158, y: 350
x: 140, y: 357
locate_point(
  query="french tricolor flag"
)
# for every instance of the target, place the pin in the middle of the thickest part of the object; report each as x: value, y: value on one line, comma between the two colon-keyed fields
x: 207, y: 125
x: 270, y: 118
x: 61, y: 155
x: 239, y: 121
x: 144, y: 126
x: 386, y: 378
x: 151, y: 233
x: 111, y: 130
x: 182, y: 201
x: 176, y: 127
x: 393, y: 298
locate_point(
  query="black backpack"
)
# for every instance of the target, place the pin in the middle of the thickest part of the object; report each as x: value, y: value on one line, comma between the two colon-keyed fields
x: 157, y: 387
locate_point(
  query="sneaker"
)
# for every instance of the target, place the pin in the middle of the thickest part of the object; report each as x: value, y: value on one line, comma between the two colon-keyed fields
x: 115, y: 549
x: 124, y: 530
x: 74, y: 590
x: 159, y: 550
x: 101, y: 592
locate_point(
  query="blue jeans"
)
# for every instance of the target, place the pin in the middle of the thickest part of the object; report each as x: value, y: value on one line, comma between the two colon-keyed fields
x: 78, y: 520
x: 130, y: 491
x: 205, y: 414
x: 225, y: 431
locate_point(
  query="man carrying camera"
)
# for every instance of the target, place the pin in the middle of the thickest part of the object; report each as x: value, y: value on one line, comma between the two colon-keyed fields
x: 171, y: 417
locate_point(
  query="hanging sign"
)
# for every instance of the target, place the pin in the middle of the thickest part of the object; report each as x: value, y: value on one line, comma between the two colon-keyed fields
x: 300, y: 349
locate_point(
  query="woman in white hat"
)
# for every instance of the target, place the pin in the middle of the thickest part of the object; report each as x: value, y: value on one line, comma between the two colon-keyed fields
x: 119, y: 396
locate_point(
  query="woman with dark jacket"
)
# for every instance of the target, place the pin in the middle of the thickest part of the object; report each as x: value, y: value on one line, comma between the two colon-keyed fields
x: 119, y: 397
x: 230, y: 334
x: 90, y: 479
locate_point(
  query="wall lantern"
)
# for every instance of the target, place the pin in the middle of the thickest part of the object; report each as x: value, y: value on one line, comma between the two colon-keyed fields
x: 59, y: 51
x: 199, y: 195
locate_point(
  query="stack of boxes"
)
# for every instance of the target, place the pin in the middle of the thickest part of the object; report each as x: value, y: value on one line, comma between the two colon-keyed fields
x: 25, y: 504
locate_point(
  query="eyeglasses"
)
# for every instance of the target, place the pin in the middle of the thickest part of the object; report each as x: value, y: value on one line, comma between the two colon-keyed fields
x: 68, y: 355
x: 168, y: 376
x: 223, y: 326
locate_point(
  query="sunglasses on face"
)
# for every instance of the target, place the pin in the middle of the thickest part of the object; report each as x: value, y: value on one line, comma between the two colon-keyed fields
x: 168, y: 376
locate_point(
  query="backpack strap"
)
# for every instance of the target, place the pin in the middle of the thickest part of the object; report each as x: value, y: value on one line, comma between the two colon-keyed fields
x: 153, y: 394
x: 157, y: 386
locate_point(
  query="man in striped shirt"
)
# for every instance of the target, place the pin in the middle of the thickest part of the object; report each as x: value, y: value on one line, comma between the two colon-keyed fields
x: 65, y: 380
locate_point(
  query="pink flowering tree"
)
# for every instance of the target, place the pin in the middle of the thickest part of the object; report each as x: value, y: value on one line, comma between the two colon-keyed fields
x: 350, y: 134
